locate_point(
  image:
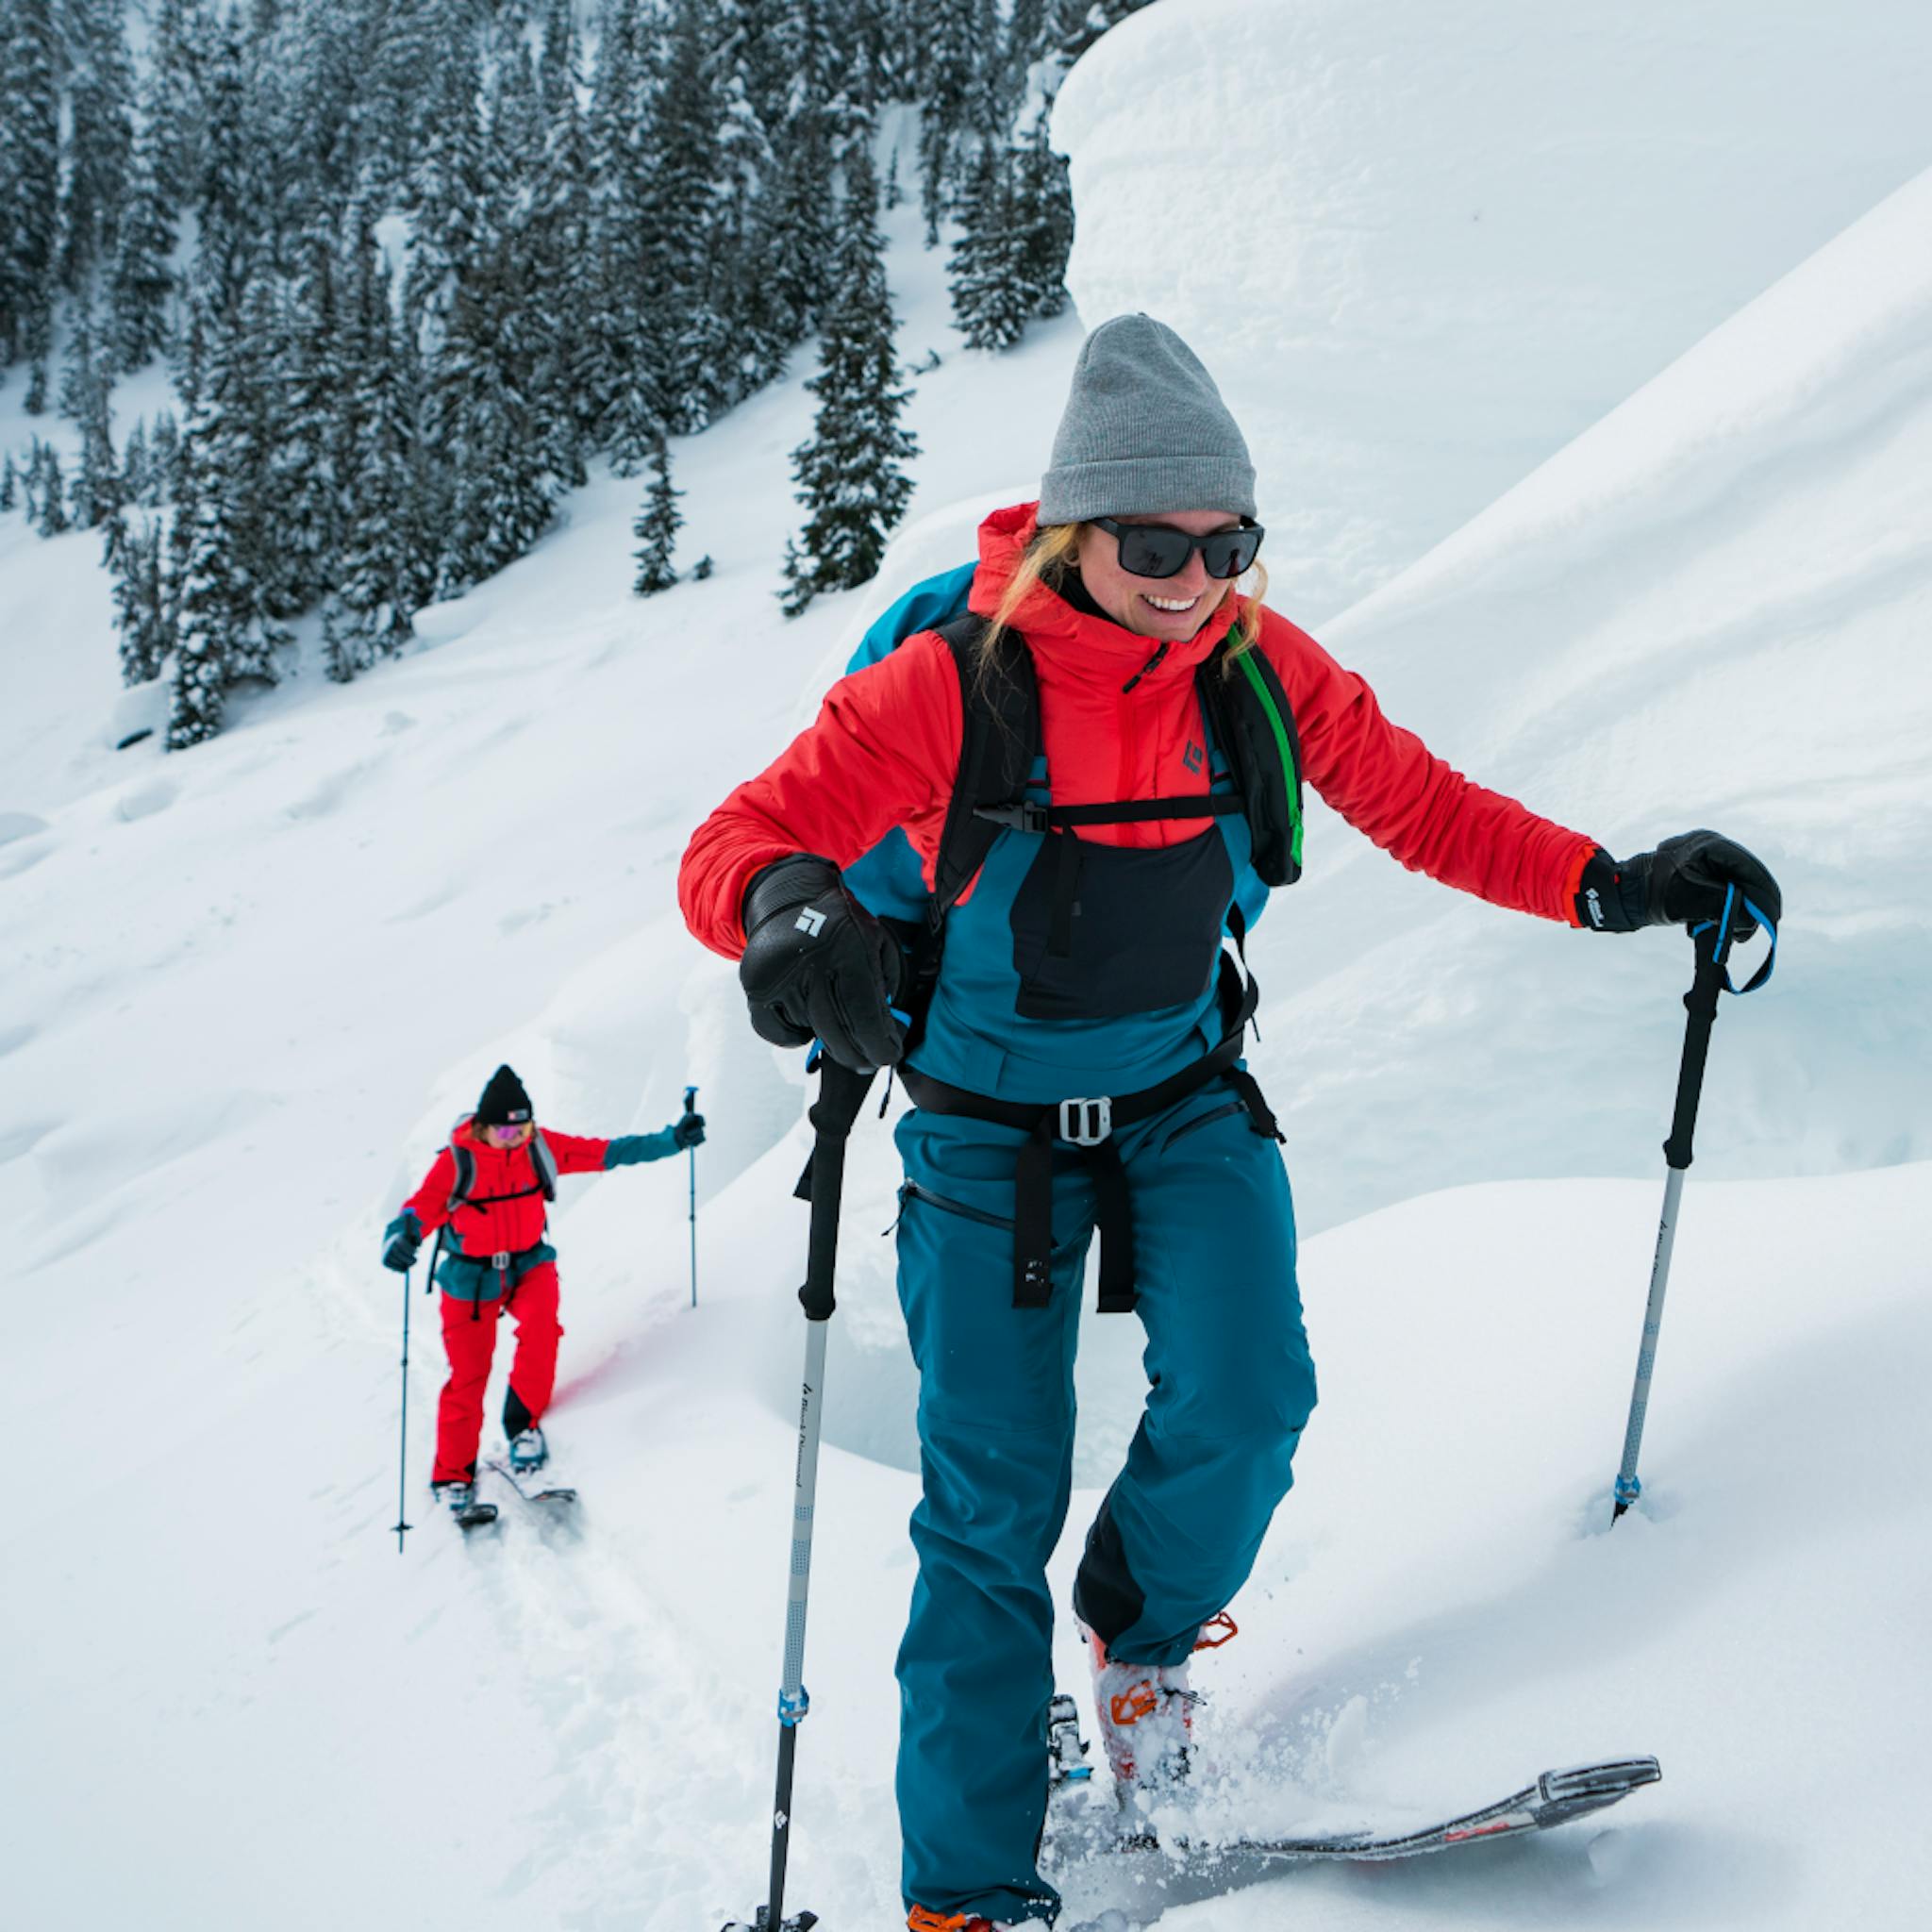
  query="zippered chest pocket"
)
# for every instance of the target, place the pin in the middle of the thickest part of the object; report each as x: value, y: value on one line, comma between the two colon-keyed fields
x: 1102, y: 931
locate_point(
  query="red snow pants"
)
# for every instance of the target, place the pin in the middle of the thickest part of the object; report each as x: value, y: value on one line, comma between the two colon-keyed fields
x: 469, y: 1335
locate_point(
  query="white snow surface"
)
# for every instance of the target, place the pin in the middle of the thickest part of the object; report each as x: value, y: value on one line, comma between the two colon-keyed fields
x: 247, y: 988
x: 1423, y: 246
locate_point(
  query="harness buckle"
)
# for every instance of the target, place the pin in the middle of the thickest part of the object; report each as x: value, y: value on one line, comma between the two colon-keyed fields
x: 500, y: 1260
x: 1086, y: 1122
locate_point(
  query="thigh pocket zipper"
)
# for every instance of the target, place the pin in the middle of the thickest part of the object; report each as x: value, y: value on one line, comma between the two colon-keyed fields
x: 1204, y: 1120
x: 911, y: 1191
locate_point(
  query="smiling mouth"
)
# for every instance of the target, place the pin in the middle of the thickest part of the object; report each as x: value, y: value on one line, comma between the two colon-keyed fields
x: 1172, y: 606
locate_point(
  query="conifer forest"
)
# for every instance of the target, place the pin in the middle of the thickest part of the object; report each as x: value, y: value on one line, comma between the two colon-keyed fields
x: 411, y: 265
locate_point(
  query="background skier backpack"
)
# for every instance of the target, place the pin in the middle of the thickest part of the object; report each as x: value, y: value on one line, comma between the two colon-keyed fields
x: 541, y: 1160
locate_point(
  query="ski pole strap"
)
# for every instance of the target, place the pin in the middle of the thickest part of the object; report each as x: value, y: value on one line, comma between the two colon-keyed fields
x: 1712, y: 941
x: 842, y: 1093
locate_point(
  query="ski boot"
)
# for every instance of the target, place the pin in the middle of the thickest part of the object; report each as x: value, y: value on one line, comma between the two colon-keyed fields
x: 923, y: 1921
x: 528, y: 1452
x: 1146, y: 1714
x: 459, y: 1499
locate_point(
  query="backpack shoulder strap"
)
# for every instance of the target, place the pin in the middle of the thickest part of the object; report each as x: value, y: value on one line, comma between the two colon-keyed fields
x: 999, y: 738
x: 1249, y: 713
x: 544, y: 1162
x: 465, y: 1165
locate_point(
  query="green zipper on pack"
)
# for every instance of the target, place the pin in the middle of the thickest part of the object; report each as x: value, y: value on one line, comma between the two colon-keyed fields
x: 1290, y: 778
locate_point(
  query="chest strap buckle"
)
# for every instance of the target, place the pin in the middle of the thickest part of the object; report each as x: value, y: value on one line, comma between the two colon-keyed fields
x: 1022, y: 815
x: 1086, y: 1122
x: 500, y: 1260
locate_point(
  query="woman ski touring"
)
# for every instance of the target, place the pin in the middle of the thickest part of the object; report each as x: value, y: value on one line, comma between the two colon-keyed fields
x: 1096, y: 761
x: 490, y: 1189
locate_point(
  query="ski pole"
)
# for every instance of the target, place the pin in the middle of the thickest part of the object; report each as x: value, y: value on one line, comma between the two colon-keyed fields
x: 403, y: 1527
x: 1711, y: 943
x: 842, y: 1093
x: 690, y: 1094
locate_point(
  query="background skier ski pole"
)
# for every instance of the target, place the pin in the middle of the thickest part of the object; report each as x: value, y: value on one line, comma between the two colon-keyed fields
x: 1712, y: 942
x: 841, y: 1092
x: 690, y: 1096
x: 402, y: 1449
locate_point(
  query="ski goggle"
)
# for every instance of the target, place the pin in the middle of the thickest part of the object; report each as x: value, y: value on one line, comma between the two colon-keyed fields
x: 1157, y: 550
x: 497, y: 1129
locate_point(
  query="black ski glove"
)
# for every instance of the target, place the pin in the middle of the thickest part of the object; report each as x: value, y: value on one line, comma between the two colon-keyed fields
x: 1682, y: 883
x: 818, y: 965
x: 400, y: 1241
x: 687, y: 1130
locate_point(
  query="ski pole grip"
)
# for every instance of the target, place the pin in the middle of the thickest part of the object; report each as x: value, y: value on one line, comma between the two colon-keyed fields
x: 842, y: 1093
x: 691, y: 1095
x: 1700, y: 1007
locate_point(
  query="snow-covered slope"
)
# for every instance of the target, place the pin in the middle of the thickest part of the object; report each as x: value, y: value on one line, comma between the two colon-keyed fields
x: 1710, y: 609
x: 1428, y: 244
x: 245, y: 989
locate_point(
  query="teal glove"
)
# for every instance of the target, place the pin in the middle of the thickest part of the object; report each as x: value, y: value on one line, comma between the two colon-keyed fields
x: 400, y: 1241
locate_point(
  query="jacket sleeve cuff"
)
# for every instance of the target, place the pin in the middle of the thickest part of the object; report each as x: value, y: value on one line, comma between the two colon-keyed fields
x: 628, y: 1150
x: 1586, y: 854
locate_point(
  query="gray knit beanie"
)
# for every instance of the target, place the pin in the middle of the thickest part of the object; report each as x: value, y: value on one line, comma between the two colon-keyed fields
x: 1146, y: 432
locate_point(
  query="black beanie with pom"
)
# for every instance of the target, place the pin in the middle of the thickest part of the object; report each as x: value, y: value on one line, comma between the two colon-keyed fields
x: 504, y: 1103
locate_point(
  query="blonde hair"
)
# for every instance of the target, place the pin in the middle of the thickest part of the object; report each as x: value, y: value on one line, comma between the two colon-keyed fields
x: 1056, y: 549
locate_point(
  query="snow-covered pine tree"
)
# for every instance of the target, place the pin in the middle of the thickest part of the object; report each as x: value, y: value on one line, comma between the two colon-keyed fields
x: 849, y: 474
x: 180, y: 49
x: 136, y: 481
x: 991, y: 298
x: 10, y: 483
x: 164, y: 458
x: 685, y: 219
x: 375, y: 597
x: 301, y: 488
x: 656, y: 527
x: 501, y: 490
x: 97, y: 487
x: 248, y: 373
x: 29, y: 184
x: 203, y: 595
x: 226, y: 222
x: 562, y: 269
x: 537, y: 265
x: 139, y: 280
x: 50, y: 492
x: 100, y: 145
x: 223, y: 629
x: 1042, y: 219
x: 625, y: 399
x: 133, y: 558
x: 962, y: 38
x: 795, y: 246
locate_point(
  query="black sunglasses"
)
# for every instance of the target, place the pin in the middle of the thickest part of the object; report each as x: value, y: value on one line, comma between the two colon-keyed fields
x: 1155, y: 550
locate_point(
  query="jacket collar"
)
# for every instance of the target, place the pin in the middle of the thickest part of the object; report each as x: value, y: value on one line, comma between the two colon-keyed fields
x: 1090, y: 649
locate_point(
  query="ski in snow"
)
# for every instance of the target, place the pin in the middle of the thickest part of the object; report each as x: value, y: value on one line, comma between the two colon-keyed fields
x: 1174, y: 1871
x: 535, y: 1487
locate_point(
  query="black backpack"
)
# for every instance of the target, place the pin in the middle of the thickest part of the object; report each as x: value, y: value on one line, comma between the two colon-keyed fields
x: 1247, y: 712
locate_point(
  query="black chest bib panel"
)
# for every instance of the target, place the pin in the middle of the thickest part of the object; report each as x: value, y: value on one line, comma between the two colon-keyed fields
x: 1101, y: 931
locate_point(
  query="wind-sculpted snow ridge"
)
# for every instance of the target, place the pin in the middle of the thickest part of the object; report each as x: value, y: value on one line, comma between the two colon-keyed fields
x: 1710, y: 609
x: 1421, y: 247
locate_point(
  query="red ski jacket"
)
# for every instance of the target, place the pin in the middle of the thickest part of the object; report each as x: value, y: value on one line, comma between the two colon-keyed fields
x: 885, y: 747
x: 502, y: 1225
